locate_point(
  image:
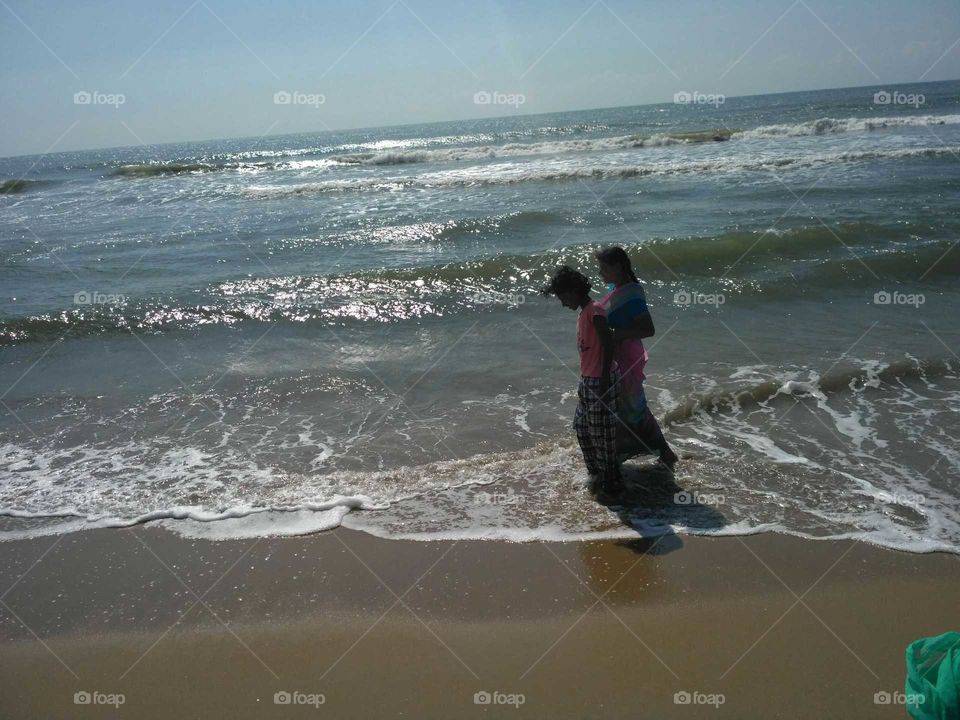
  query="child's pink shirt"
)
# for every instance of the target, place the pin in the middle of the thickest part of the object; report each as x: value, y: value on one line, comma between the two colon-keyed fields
x: 588, y: 340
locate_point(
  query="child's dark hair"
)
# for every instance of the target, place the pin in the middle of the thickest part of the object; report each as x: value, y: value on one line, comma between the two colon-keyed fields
x: 566, y: 279
x: 617, y: 256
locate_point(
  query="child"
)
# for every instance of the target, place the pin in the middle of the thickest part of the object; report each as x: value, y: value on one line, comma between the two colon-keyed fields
x: 596, y: 417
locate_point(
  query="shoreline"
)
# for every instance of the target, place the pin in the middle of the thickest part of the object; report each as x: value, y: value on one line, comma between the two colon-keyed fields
x: 617, y: 521
x: 774, y: 625
x: 552, y: 534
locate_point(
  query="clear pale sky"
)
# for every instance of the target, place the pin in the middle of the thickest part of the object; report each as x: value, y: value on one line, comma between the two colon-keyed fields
x: 209, y: 69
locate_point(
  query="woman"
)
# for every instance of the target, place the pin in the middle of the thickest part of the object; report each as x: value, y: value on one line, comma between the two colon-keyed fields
x: 629, y: 321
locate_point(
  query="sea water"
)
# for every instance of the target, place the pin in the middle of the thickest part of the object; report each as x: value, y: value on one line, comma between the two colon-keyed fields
x: 281, y: 335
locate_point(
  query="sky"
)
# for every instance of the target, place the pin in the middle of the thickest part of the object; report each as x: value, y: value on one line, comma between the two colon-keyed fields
x: 78, y: 75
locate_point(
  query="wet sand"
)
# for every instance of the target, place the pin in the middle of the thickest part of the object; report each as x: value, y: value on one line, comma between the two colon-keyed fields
x: 353, y: 626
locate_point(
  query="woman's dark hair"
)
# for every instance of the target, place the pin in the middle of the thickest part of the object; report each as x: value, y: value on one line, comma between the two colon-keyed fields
x: 566, y: 279
x: 616, y: 255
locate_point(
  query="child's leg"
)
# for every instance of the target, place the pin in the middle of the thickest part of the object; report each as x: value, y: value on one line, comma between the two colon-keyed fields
x: 582, y: 426
x: 602, y: 418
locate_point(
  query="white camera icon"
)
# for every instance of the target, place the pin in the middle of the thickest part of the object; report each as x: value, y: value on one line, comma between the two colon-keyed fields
x: 82, y: 98
x: 82, y: 298
x: 282, y: 97
x: 482, y: 698
x: 82, y: 698
x: 682, y: 97
x: 882, y: 97
x: 882, y: 298
x: 682, y: 298
x: 282, y: 697
x: 482, y: 98
x: 681, y: 698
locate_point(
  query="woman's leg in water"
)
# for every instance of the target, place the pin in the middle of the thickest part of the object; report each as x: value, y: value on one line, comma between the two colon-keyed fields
x: 650, y: 434
x: 653, y: 438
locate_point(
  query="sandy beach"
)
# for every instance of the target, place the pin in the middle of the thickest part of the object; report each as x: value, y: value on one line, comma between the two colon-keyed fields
x: 150, y: 625
x: 324, y: 327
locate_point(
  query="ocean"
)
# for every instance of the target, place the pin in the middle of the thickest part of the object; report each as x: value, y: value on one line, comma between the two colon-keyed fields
x: 282, y: 335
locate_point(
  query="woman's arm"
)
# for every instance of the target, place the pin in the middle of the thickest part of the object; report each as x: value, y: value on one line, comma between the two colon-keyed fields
x: 641, y: 327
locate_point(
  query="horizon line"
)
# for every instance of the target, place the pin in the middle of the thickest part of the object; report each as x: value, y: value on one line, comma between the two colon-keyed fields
x: 454, y: 120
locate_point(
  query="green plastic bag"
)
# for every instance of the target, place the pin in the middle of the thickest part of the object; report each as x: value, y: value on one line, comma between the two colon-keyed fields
x: 933, y: 677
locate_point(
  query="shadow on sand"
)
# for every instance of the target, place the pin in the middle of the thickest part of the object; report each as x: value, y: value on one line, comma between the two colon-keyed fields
x: 652, y: 503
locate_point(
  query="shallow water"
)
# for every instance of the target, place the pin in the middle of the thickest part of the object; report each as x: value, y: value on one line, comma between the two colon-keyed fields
x: 285, y: 334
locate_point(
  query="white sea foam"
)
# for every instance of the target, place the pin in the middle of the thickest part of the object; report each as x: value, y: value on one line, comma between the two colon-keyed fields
x: 509, y: 150
x: 457, y: 148
x: 828, y: 126
x: 739, y: 475
x: 512, y: 173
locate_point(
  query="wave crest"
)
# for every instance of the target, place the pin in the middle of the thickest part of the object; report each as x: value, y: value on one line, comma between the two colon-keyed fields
x: 511, y: 174
x: 829, y: 126
x: 868, y: 376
